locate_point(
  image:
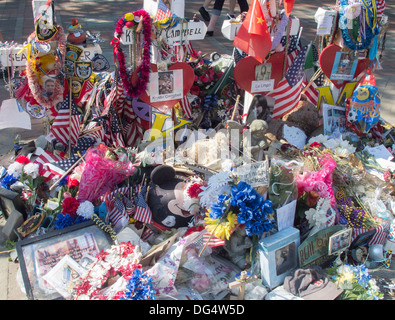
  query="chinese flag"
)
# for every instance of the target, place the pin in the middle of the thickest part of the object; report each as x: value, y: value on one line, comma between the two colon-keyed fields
x: 253, y: 37
x: 288, y: 5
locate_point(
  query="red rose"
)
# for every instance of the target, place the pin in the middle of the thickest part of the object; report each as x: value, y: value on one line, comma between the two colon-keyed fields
x: 315, y: 144
x: 22, y: 160
x: 70, y: 206
x: 71, y: 183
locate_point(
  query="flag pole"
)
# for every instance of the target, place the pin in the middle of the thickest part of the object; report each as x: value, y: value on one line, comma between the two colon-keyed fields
x: 68, y: 171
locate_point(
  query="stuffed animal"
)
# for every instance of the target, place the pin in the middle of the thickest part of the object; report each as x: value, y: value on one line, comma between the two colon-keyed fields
x: 166, y: 199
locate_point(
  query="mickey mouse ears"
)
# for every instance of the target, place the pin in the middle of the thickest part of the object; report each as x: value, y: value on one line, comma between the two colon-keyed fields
x: 162, y: 174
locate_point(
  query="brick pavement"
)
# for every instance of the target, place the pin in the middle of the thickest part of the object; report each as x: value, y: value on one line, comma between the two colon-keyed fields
x: 16, y: 23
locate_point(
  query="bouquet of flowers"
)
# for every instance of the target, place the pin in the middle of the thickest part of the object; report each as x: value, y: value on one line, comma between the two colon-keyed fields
x: 356, y: 282
x: 239, y: 204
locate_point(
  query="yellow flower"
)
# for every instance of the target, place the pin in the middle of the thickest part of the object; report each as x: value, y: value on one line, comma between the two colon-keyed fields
x: 222, y: 227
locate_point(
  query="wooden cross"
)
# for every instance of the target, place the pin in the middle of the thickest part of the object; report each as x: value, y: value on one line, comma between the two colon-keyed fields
x: 242, y: 279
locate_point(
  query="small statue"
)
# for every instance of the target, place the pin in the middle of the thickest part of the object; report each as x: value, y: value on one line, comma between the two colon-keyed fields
x: 238, y: 248
x: 76, y: 34
x: 254, y: 142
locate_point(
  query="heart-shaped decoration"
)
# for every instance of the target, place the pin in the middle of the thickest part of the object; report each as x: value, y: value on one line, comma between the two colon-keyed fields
x: 188, y: 76
x: 244, y: 72
x: 327, y: 59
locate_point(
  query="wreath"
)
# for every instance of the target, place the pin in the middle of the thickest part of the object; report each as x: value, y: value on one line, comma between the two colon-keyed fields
x: 119, y: 260
x: 33, y: 69
x: 144, y: 68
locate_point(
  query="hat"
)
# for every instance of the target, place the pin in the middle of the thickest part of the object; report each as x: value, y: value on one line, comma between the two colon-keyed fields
x: 311, y: 284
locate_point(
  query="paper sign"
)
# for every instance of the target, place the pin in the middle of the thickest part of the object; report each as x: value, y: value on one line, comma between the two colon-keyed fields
x: 294, y: 136
x: 12, y: 115
x: 14, y: 59
x: 286, y: 216
x: 165, y: 86
x: 191, y: 30
x: 262, y: 86
x: 255, y: 174
x: 324, y: 19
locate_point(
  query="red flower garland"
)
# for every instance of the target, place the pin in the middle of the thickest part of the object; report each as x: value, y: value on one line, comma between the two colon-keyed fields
x: 144, y: 69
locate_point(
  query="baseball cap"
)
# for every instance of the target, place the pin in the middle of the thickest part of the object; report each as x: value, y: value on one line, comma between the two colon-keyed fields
x: 311, y: 284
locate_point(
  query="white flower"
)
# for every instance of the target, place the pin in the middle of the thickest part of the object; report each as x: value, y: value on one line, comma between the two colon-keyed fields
x: 221, y: 113
x: 15, y: 169
x: 31, y: 169
x: 320, y: 139
x: 86, y: 209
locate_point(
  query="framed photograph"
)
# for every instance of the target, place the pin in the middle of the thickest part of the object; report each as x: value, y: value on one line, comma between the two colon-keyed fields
x: 166, y: 85
x: 333, y: 117
x: 339, y: 241
x: 344, y: 67
x: 46, y: 273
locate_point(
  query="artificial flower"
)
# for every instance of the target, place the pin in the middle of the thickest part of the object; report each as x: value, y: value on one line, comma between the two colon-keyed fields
x: 71, y: 183
x: 22, y: 160
x: 70, y: 205
x: 85, y: 209
x: 63, y: 221
x: 15, y: 169
x: 221, y: 228
x: 32, y: 169
x: 194, y: 190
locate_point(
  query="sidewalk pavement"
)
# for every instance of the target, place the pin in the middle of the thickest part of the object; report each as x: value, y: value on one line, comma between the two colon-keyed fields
x: 16, y: 24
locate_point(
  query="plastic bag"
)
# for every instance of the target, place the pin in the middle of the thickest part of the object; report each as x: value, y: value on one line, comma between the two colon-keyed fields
x: 102, y: 173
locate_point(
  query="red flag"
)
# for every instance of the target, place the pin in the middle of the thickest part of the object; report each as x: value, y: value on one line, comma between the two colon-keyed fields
x: 254, y: 37
x: 288, y: 5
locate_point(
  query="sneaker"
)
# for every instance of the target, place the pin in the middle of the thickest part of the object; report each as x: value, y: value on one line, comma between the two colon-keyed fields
x: 204, y: 13
x: 209, y: 33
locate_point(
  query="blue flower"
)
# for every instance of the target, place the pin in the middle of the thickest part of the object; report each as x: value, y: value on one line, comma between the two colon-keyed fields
x: 218, y: 209
x: 258, y: 227
x: 139, y: 287
x: 63, y: 221
x: 8, y: 180
x: 245, y: 215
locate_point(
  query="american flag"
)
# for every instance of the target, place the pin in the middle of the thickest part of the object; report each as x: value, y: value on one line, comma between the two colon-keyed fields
x: 133, y: 130
x: 380, y: 6
x: 62, y: 123
x: 43, y: 159
x: 212, y: 241
x: 129, y: 206
x: 293, y: 43
x: 117, y: 218
x: 296, y: 71
x: 163, y: 12
x: 378, y: 237
x: 83, y: 144
x: 115, y: 129
x: 286, y: 97
x: 60, y: 167
x: 186, y: 107
x: 143, y: 212
x: 147, y: 233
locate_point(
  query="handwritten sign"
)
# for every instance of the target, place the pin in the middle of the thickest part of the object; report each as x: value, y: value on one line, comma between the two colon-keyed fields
x: 314, y: 250
x: 255, y: 174
x: 262, y: 86
x: 10, y: 57
x: 191, y: 30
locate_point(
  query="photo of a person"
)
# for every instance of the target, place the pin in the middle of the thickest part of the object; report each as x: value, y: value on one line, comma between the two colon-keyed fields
x: 263, y: 71
x: 49, y: 87
x: 166, y: 82
x: 260, y: 108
